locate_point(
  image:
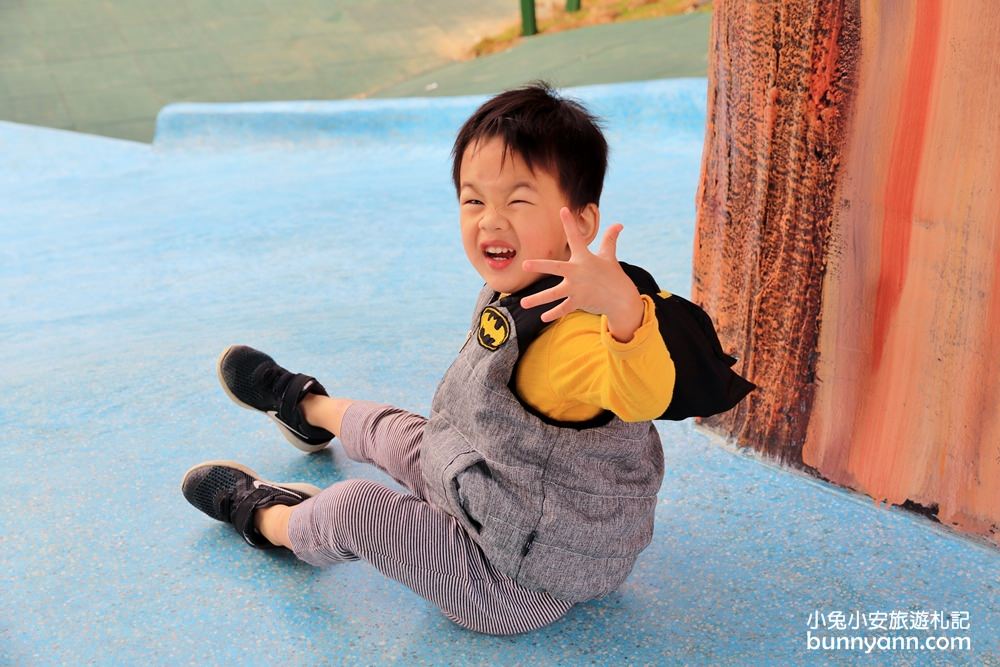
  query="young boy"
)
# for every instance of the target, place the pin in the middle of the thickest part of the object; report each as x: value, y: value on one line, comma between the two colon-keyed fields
x: 534, y: 482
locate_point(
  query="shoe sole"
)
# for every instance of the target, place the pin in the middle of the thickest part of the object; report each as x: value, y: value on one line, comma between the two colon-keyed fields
x: 307, y: 490
x: 290, y: 435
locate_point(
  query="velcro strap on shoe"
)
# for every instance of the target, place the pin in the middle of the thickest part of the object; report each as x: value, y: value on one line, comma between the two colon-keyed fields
x: 242, y: 518
x: 289, y: 412
x: 296, y: 388
x: 265, y: 496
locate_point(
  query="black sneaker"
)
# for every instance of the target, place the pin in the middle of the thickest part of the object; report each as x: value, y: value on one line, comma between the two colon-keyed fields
x: 252, y: 379
x: 230, y: 492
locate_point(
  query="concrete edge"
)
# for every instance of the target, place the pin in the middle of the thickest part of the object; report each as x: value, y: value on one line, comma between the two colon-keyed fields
x: 222, y: 125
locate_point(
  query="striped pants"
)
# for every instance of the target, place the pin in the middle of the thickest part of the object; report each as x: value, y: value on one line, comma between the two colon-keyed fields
x: 405, y: 537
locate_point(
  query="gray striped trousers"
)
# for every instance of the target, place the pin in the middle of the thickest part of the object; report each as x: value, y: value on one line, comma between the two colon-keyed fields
x: 407, y: 538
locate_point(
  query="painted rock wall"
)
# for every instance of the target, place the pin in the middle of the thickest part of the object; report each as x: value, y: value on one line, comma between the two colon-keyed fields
x: 848, y: 243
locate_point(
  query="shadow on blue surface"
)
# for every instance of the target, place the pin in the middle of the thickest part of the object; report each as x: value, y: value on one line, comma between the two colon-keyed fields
x: 307, y: 230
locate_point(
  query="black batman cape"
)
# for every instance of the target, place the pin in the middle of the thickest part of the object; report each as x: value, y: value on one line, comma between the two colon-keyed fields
x: 705, y: 384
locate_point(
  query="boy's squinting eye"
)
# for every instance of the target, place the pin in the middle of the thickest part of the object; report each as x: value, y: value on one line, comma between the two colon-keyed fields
x: 472, y: 201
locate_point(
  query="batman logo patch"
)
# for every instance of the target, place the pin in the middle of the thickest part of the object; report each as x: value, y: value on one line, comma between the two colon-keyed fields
x: 494, y: 329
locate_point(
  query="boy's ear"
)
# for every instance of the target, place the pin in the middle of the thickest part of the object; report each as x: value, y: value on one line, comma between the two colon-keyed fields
x: 589, y: 221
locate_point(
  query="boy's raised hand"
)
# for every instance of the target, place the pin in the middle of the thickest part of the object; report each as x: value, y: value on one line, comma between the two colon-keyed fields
x: 593, y: 283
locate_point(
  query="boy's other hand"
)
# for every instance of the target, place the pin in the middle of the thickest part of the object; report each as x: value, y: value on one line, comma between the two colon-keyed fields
x: 593, y: 283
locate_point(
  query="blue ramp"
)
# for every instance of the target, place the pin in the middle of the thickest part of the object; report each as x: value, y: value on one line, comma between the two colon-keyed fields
x: 310, y: 230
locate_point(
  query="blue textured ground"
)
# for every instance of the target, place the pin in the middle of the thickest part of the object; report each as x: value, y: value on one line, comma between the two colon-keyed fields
x: 309, y: 230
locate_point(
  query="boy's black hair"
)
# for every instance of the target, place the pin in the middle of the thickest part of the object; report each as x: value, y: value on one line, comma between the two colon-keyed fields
x: 545, y: 130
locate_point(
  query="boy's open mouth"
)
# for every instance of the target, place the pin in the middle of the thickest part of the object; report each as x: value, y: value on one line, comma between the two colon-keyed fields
x: 498, y: 256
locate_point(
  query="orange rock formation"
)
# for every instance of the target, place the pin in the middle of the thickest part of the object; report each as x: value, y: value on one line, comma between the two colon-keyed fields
x: 848, y: 243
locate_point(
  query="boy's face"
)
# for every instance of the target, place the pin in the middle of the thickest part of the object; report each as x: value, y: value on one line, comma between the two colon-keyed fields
x: 508, y: 214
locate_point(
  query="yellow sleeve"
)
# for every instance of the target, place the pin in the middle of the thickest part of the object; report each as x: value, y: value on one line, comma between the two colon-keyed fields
x: 575, y: 369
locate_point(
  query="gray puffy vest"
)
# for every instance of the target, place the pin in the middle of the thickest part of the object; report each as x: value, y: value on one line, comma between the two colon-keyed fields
x: 564, y: 508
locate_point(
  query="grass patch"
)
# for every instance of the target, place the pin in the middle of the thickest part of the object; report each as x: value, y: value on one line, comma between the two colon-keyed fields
x: 551, y: 16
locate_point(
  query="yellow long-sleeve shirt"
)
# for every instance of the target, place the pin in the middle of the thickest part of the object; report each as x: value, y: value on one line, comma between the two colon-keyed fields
x: 575, y: 369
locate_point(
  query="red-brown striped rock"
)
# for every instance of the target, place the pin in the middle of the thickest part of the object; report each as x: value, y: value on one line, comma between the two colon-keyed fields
x: 848, y: 243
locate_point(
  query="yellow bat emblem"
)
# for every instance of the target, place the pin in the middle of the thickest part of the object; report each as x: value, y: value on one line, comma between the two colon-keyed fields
x: 494, y: 329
